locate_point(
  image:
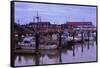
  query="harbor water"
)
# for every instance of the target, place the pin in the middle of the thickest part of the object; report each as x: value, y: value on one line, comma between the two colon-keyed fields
x: 78, y: 52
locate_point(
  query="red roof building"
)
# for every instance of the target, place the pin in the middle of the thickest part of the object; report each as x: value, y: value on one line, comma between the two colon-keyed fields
x: 80, y: 26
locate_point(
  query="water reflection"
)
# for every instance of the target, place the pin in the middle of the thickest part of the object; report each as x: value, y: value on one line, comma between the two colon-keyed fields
x: 79, y: 52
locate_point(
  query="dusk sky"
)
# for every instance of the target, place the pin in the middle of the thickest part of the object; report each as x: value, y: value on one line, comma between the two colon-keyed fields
x: 58, y: 14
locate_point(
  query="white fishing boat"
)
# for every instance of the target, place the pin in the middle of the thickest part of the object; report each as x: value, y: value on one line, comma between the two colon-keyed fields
x: 66, y: 38
x: 27, y: 42
x: 77, y: 39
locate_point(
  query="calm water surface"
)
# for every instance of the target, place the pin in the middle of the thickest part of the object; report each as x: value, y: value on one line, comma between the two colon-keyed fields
x: 80, y: 52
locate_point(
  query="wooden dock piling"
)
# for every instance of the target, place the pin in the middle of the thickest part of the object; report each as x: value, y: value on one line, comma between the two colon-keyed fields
x: 60, y: 40
x: 73, y: 37
x: 37, y: 43
x: 88, y: 35
x: 73, y: 50
x: 82, y: 36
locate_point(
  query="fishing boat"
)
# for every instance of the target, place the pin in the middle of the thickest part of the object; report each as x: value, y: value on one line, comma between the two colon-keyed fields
x: 30, y: 43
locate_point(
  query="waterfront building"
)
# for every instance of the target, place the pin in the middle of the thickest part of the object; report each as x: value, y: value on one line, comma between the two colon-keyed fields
x: 80, y: 26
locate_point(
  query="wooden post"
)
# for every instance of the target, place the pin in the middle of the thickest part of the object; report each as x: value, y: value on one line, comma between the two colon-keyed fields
x: 37, y: 43
x: 88, y: 46
x: 73, y: 37
x: 73, y: 50
x: 37, y: 59
x: 19, y: 37
x: 60, y: 40
x: 93, y: 36
x: 82, y: 48
x: 82, y: 36
x: 88, y: 35
x: 20, y: 58
x: 59, y: 55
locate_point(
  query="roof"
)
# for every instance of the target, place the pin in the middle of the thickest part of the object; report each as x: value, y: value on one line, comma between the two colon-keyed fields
x: 78, y: 23
x: 39, y: 23
x: 22, y: 29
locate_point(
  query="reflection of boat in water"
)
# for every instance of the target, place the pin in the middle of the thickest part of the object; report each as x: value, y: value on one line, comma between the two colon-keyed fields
x: 54, y: 46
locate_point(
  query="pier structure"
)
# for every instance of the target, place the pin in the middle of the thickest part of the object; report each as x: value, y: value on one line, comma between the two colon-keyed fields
x: 69, y: 32
x: 71, y: 35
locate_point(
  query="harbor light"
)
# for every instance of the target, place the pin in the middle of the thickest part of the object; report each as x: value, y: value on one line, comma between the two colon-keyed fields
x: 16, y: 35
x: 22, y: 36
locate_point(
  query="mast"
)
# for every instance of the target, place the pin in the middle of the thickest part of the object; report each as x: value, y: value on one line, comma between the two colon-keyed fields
x: 37, y: 17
